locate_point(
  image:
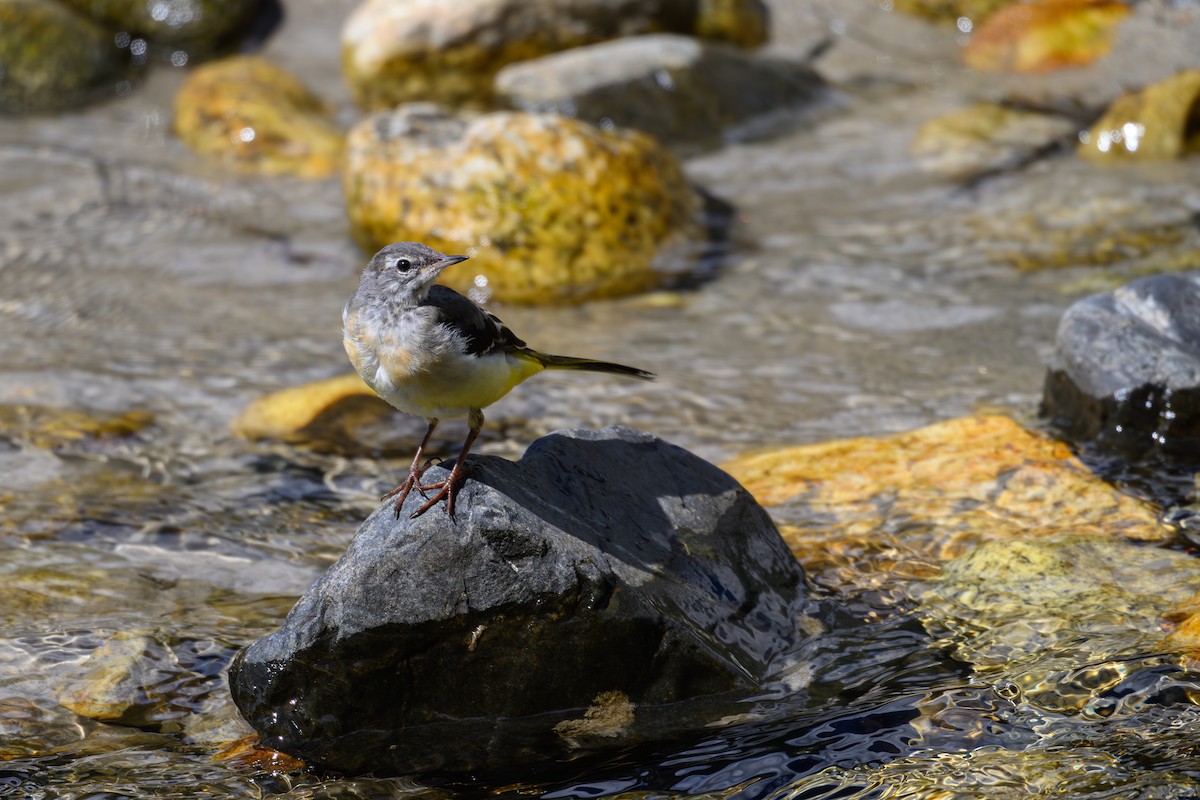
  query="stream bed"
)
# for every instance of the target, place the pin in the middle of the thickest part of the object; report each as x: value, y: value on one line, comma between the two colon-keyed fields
x: 147, y: 297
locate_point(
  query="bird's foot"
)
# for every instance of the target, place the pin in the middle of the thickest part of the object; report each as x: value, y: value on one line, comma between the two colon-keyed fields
x: 413, y: 479
x: 446, y: 490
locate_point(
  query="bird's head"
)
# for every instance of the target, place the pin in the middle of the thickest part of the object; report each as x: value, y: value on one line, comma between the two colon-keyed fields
x: 406, y: 270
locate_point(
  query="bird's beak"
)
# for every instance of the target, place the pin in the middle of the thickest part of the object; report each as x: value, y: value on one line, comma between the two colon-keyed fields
x: 447, y: 261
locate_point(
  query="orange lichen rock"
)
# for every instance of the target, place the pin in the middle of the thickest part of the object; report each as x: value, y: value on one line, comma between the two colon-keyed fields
x: 908, y: 502
x: 1045, y: 35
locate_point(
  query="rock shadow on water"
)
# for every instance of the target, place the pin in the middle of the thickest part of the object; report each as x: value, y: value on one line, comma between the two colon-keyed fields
x: 607, y: 590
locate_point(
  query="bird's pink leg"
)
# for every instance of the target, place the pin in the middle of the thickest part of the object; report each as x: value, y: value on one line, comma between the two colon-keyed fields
x: 414, y: 472
x: 448, y: 488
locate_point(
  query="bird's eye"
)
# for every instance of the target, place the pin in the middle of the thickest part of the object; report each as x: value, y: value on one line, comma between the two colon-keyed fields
x: 403, y: 264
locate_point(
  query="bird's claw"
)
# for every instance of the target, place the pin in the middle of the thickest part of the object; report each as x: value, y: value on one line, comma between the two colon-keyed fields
x: 446, y: 490
x: 413, y: 479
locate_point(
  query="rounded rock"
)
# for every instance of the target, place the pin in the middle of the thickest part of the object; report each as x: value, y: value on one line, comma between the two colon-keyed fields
x: 255, y: 115
x: 1126, y: 370
x: 549, y: 209
x: 574, y: 601
x: 676, y: 88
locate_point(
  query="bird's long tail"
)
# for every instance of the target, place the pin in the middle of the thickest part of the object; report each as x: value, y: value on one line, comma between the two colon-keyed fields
x: 590, y: 365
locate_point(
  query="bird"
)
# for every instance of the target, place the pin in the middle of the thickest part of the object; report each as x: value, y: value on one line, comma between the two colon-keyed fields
x: 429, y: 351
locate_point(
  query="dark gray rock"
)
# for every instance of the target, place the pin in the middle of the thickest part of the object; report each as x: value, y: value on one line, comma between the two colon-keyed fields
x: 607, y: 588
x: 676, y: 88
x: 1126, y: 373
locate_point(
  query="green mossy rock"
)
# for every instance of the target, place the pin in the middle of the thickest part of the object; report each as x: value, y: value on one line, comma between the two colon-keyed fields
x: 550, y: 209
x: 203, y: 25
x: 52, y: 58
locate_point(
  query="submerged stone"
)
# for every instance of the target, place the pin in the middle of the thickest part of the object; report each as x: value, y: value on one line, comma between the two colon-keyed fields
x: 1070, y: 621
x: 549, y: 209
x: 605, y: 589
x: 985, y: 137
x: 448, y: 51
x: 52, y: 58
x: 973, y: 772
x: 252, y: 113
x: 127, y: 681
x: 52, y: 427
x: 676, y: 88
x: 1108, y: 224
x: 1126, y: 369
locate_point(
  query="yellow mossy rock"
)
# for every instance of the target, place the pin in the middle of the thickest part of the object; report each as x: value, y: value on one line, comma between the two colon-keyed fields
x: 908, y: 502
x: 303, y: 412
x: 254, y: 115
x: 1160, y: 121
x: 1044, y: 35
x: 448, y: 51
x: 549, y: 209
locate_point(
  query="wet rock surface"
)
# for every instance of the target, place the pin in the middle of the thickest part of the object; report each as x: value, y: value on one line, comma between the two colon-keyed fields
x: 571, y: 601
x: 1126, y: 370
x: 676, y: 88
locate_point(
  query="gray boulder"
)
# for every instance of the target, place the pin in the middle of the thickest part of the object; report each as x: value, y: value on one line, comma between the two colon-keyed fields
x: 607, y: 588
x: 676, y: 88
x: 1126, y: 371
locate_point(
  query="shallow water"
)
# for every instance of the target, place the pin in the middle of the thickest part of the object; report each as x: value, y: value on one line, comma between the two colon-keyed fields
x: 861, y: 296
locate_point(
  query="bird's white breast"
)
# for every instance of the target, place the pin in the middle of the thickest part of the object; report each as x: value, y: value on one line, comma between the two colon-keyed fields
x: 422, y: 368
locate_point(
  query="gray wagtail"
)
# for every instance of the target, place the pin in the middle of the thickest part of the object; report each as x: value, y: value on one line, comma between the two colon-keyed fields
x: 429, y: 351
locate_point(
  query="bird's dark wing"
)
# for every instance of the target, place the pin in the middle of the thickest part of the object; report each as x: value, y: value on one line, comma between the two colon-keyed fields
x: 484, y: 332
